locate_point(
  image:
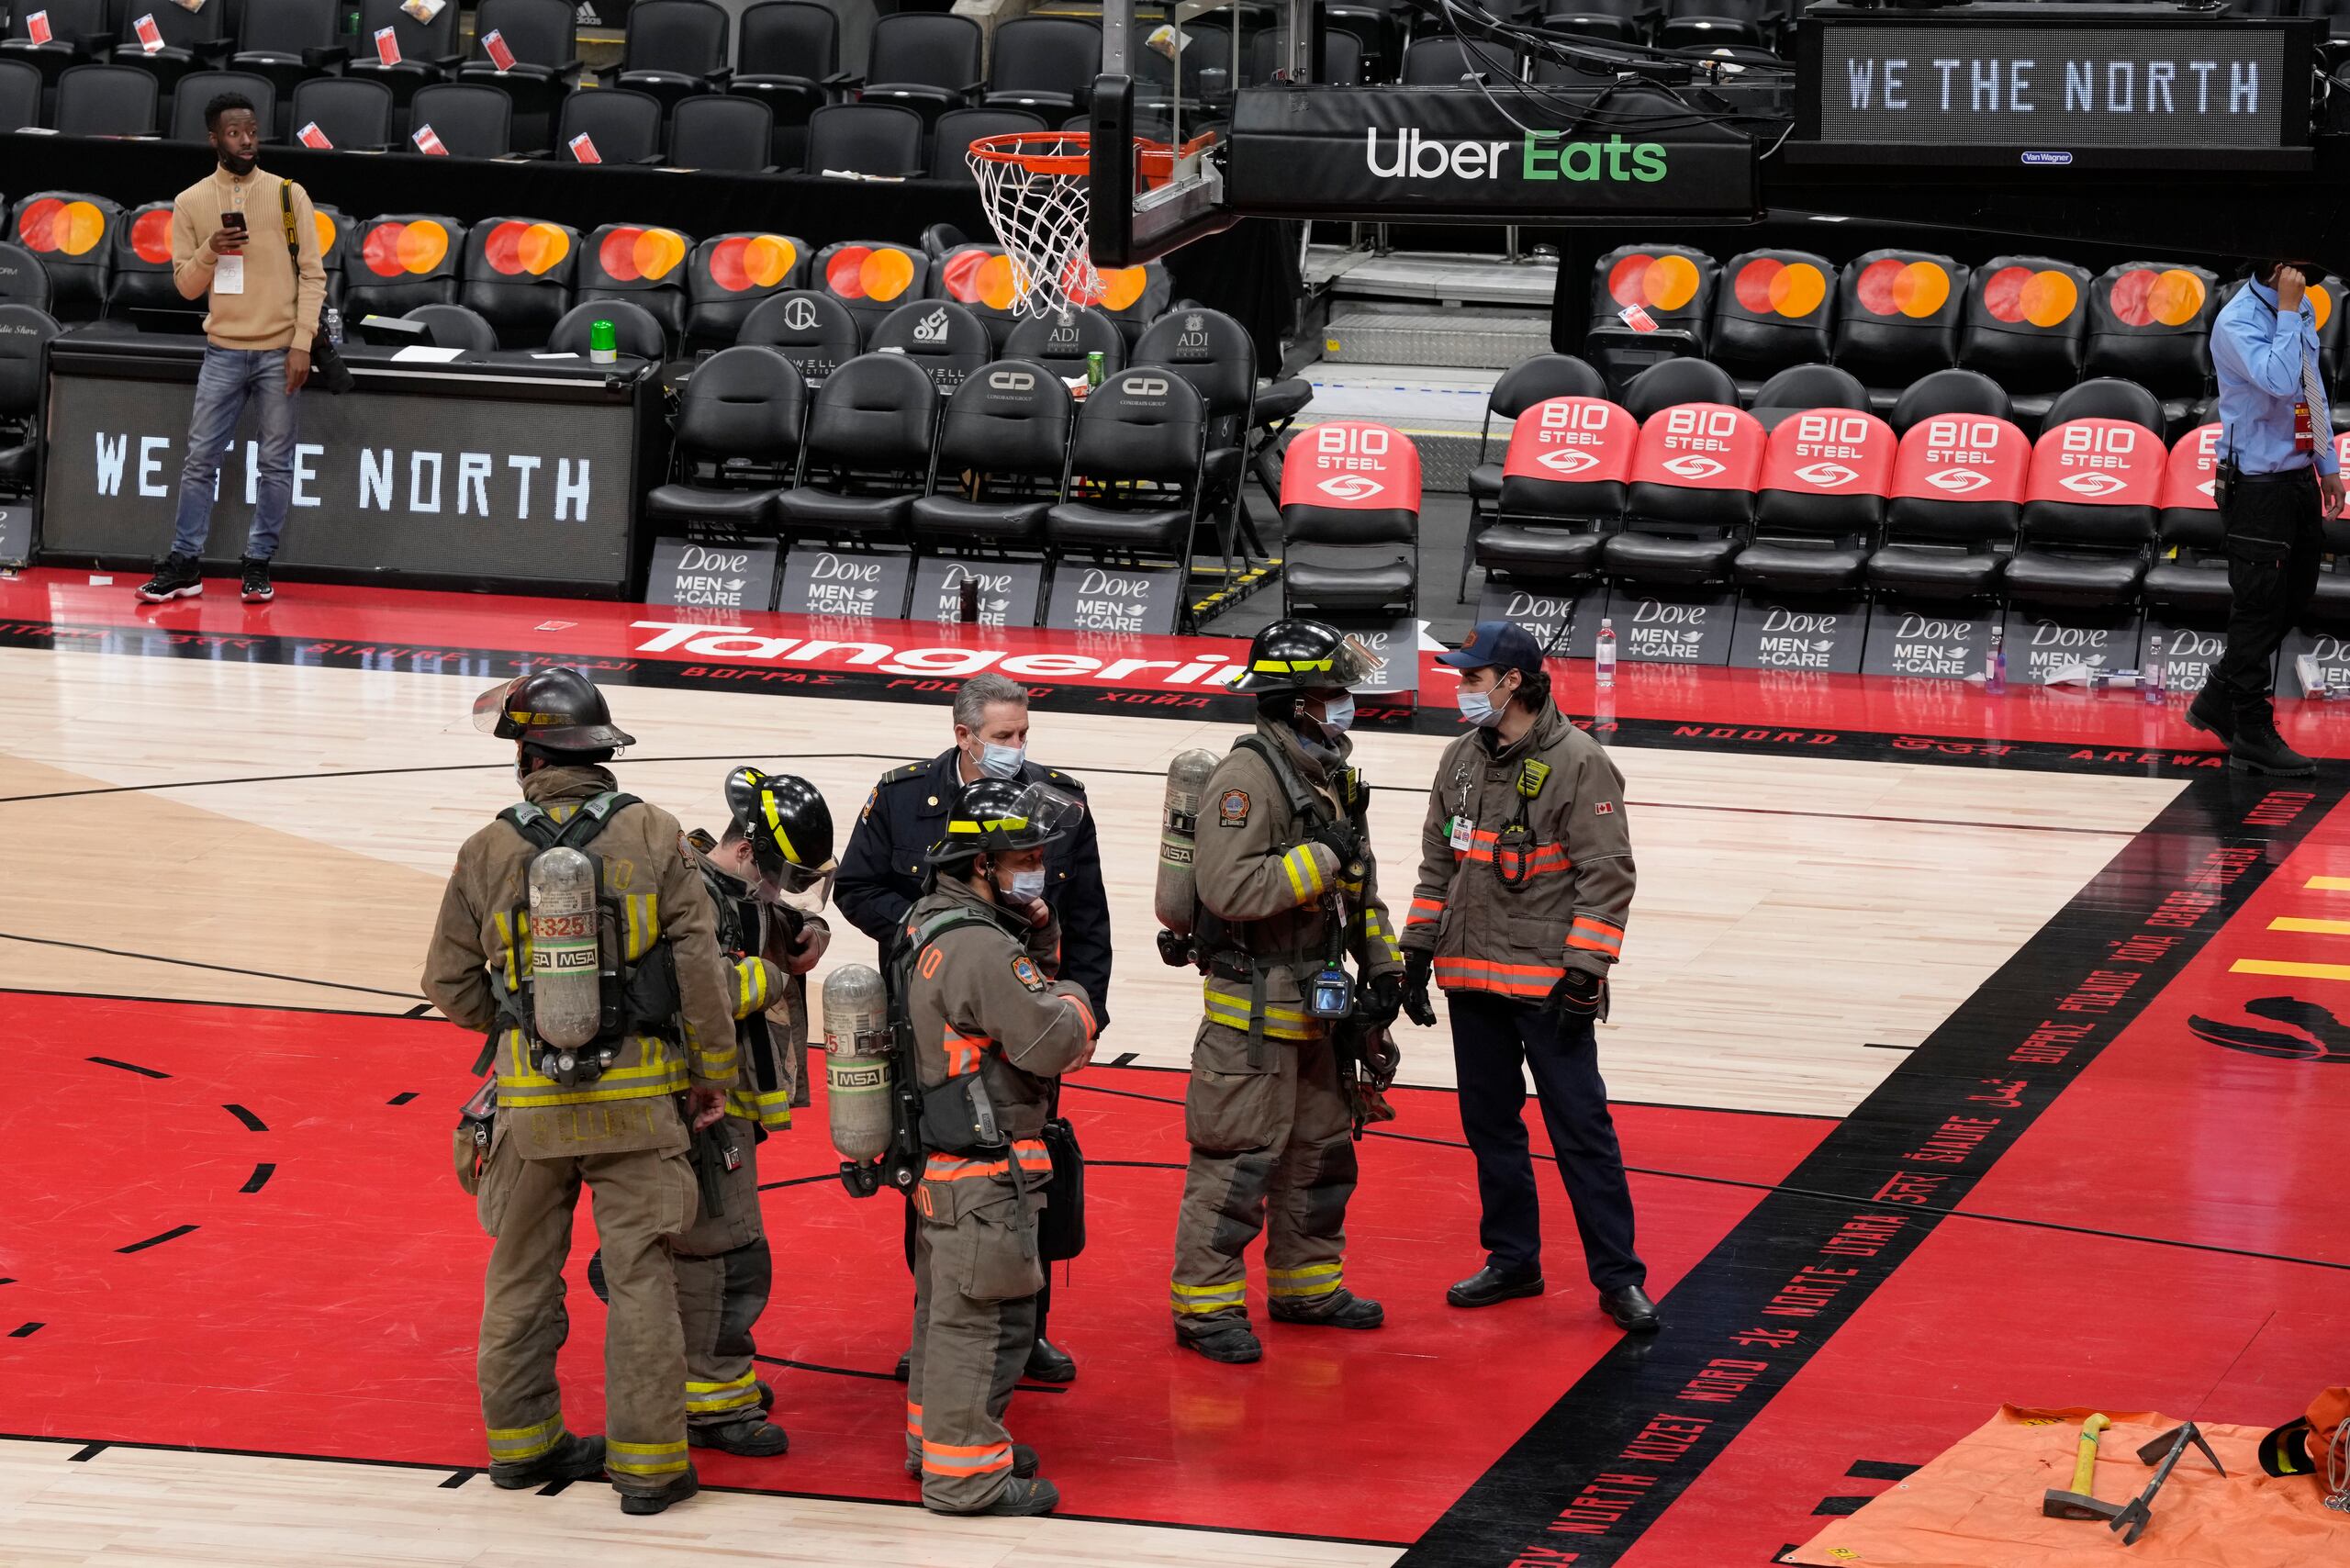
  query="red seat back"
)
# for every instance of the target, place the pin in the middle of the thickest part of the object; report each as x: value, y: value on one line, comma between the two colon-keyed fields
x: 1830, y: 453
x: 2109, y: 463
x: 2187, y: 475
x: 1962, y: 457
x: 1572, y: 440
x: 1700, y: 446
x: 1351, y: 465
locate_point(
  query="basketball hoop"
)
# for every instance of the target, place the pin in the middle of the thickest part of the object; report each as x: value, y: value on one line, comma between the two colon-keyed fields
x: 1033, y: 184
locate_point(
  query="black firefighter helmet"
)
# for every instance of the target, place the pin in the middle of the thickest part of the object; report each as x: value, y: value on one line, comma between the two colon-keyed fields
x: 556, y: 709
x: 787, y: 824
x: 993, y: 815
x: 1293, y: 656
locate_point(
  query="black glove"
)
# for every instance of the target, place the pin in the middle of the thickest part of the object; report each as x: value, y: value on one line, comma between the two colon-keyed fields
x: 1576, y: 995
x: 1382, y: 998
x: 1342, y: 839
x: 1417, y: 966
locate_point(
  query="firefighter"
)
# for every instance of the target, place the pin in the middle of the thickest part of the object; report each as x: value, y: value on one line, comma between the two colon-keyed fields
x: 606, y: 1114
x: 768, y: 875
x: 1525, y: 882
x: 992, y: 1032
x: 882, y: 873
x: 1287, y: 889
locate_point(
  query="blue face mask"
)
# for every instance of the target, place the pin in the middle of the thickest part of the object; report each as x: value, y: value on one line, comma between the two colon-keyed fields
x: 1001, y: 761
x: 1029, y: 884
x: 1338, y: 712
x: 1478, y: 708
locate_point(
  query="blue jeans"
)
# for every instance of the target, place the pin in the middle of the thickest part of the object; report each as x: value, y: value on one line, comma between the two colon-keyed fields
x: 229, y: 379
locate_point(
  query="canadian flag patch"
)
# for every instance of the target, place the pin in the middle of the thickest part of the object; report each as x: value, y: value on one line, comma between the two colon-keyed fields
x: 1604, y: 809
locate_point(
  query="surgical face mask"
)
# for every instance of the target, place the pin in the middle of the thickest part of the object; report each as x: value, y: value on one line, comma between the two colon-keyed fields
x: 1028, y: 884
x: 1001, y: 761
x: 1338, y: 712
x: 1479, y: 708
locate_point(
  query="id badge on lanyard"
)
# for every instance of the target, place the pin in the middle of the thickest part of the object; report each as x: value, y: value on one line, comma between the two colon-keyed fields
x: 2304, y: 434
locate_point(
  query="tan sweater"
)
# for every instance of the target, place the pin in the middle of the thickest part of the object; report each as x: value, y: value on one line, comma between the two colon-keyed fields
x: 273, y: 312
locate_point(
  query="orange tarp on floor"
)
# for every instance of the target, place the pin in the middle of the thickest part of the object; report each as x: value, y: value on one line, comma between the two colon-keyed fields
x: 1978, y: 1506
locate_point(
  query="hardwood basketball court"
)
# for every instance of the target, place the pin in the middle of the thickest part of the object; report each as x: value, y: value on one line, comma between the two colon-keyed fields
x: 1941, y: 1015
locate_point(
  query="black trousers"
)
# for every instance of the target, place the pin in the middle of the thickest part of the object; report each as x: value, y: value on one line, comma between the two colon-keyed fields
x: 1492, y: 1036
x: 2275, y: 538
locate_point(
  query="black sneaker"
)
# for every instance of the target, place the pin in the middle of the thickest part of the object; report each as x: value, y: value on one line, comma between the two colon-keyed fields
x: 257, y: 589
x: 178, y: 578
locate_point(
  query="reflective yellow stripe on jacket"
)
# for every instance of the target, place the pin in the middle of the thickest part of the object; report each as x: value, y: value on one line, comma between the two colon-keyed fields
x: 1226, y: 1003
x: 655, y: 1070
x: 771, y: 1108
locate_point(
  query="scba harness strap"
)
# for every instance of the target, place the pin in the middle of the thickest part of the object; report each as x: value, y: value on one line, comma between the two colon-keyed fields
x: 642, y: 999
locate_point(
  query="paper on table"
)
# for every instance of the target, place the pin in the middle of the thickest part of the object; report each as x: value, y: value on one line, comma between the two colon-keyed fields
x: 430, y: 356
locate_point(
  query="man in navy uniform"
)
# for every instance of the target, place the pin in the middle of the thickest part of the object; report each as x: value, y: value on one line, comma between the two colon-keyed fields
x: 2279, y: 477
x: 881, y: 874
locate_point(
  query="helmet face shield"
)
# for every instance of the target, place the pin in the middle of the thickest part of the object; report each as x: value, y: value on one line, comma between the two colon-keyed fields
x: 1354, y: 663
x: 790, y: 832
x: 489, y: 707
x: 993, y: 815
x: 1040, y: 816
x: 554, y: 707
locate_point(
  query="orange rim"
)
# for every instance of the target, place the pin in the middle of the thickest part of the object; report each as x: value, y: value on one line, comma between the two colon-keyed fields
x: 1070, y: 153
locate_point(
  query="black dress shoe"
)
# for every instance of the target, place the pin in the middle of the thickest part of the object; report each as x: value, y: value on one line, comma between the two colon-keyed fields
x: 1490, y: 1284
x: 1631, y: 1307
x: 677, y: 1491
x: 1047, y: 1363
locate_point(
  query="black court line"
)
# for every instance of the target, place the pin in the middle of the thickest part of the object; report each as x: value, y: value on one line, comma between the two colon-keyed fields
x: 25, y: 1330
x: 402, y: 1098
x: 260, y: 1178
x: 1794, y: 1270
x: 1121, y: 1062
x: 1840, y: 1508
x: 556, y: 1488
x: 87, y: 1453
x: 1025, y: 1387
x: 128, y: 1066
x: 1879, y: 1470
x: 418, y: 1011
x: 176, y: 1231
x: 458, y: 1478
x: 799, y: 1180
x: 252, y: 1121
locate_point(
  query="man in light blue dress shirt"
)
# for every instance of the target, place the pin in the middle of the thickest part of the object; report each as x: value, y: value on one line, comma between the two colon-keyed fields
x: 2279, y: 477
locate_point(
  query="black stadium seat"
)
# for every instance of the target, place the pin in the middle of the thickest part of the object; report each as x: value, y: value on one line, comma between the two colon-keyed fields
x: 1217, y: 356
x: 355, y: 113
x: 1562, y: 487
x: 471, y: 120
x: 20, y: 92
x: 1958, y: 487
x: 2025, y: 325
x: 107, y: 100
x: 71, y: 233
x: 1061, y: 346
x: 1806, y: 387
x: 812, y: 328
x: 1003, y: 450
x: 192, y: 40
x: 642, y: 264
x: 927, y: 62
x: 24, y: 336
x: 70, y: 23
x: 1821, y: 503
x: 1678, y: 381
x: 867, y: 453
x: 788, y: 58
x: 22, y: 280
x: 286, y: 42
x: 427, y: 50
x: 1771, y: 310
x: 198, y: 88
x: 1045, y: 64
x: 1691, y: 502
x: 1897, y: 318
x: 673, y: 48
x: 729, y: 275
x: 518, y: 273
x: 1138, y: 451
x: 634, y: 332
x: 1949, y: 392
x: 2151, y: 321
x: 2089, y: 514
x: 2189, y: 581
x: 621, y: 124
x: 400, y: 260
x: 454, y: 327
x: 866, y: 139
x: 736, y: 135
x: 143, y: 266
x: 942, y: 336
x: 543, y: 38
x: 737, y: 442
x: 1442, y: 61
x: 1350, y: 521
x: 1524, y: 384
x: 870, y: 278
x: 1673, y: 285
x: 950, y: 143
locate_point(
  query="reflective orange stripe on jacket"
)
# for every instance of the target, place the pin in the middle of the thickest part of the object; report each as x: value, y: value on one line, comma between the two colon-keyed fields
x: 1505, y: 980
x: 1423, y: 910
x: 955, y: 1168
x: 963, y: 1051
x: 960, y: 1459
x: 1596, y: 935
x: 1539, y: 859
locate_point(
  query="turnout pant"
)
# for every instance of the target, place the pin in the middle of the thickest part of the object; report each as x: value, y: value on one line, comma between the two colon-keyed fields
x: 641, y: 1199
x: 1268, y: 1142
x: 2275, y: 539
x: 974, y: 1319
x: 725, y: 1272
x: 1044, y: 1296
x: 1493, y: 1039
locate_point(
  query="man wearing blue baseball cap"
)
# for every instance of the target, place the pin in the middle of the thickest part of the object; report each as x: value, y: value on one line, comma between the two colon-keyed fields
x: 1525, y: 882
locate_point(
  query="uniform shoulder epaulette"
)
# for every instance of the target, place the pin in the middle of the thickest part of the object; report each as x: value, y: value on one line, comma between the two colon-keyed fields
x: 1064, y: 781
x: 899, y: 775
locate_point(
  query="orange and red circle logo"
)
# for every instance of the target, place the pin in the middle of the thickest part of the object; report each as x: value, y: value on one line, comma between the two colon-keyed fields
x: 2144, y: 297
x: 324, y: 224
x: 879, y: 272
x: 62, y: 227
x: 515, y: 247
x: 2019, y: 295
x: 151, y: 236
x: 1768, y: 286
x: 1891, y: 287
x: 630, y: 254
x: 1668, y: 282
x: 741, y: 261
x: 391, y: 249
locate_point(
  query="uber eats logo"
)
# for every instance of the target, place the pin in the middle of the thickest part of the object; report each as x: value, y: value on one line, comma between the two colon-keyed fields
x: 1541, y: 155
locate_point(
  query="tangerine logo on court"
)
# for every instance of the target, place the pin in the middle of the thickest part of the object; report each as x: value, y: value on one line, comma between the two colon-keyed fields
x: 2144, y: 297
x: 1891, y: 287
x: 392, y: 247
x: 1769, y: 286
x: 52, y: 226
x: 2020, y: 296
x: 630, y: 254
x: 742, y: 262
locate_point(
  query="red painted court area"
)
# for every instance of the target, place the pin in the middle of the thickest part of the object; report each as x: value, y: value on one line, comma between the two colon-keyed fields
x: 331, y: 1309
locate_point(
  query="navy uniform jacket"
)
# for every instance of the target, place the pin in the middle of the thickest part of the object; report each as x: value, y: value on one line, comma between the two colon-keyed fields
x: 881, y: 874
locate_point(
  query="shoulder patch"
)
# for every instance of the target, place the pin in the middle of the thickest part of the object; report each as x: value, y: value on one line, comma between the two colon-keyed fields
x: 685, y: 849
x: 1603, y: 808
x: 1231, y: 808
x: 1025, y: 970
x: 870, y: 796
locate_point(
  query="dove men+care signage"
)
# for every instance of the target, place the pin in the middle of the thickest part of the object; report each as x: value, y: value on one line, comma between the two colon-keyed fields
x: 1459, y: 153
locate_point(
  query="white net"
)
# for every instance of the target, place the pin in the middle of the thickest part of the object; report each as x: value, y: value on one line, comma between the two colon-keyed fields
x: 1035, y: 195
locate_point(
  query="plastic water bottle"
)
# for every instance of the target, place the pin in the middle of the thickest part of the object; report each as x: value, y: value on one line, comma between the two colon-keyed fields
x: 1994, y: 667
x: 2154, y: 684
x: 1605, y: 662
x: 334, y: 326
